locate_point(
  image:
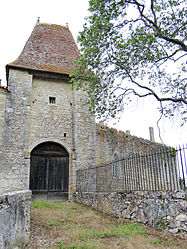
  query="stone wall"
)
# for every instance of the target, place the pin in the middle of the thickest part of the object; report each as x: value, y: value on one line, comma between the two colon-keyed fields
x: 85, y: 132
x: 155, y: 171
x: 14, y: 170
x: 51, y: 122
x: 164, y: 210
x: 3, y: 94
x: 66, y: 122
x: 110, y: 142
x: 30, y: 119
x: 133, y: 163
x: 14, y: 219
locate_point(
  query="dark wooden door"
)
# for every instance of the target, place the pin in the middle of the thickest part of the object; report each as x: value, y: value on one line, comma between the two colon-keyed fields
x: 49, y: 170
x: 58, y: 173
x: 38, y: 173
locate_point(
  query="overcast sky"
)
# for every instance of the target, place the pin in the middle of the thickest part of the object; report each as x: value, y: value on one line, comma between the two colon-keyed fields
x: 17, y: 20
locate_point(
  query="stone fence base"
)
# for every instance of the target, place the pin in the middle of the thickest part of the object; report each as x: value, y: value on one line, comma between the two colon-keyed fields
x: 164, y: 210
x: 14, y: 219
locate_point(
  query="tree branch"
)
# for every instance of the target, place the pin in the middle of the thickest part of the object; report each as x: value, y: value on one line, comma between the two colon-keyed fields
x: 151, y: 92
x: 156, y: 28
x: 162, y: 113
x: 172, y: 40
x: 168, y: 56
x: 154, y: 14
x: 175, y: 100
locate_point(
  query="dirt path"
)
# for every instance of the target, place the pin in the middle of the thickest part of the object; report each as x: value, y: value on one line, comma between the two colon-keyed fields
x: 69, y: 225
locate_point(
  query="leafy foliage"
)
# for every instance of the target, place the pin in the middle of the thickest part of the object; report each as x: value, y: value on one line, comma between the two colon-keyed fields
x: 133, y: 47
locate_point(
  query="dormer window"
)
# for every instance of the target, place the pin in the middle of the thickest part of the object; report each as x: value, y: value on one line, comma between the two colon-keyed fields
x: 52, y: 100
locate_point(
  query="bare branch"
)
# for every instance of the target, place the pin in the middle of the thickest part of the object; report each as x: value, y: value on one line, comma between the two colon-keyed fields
x: 175, y: 100
x: 180, y: 57
x: 162, y: 113
x: 168, y: 56
x: 151, y: 91
x: 154, y: 14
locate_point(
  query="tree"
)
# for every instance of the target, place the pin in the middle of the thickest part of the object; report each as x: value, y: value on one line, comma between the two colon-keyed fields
x: 133, y: 47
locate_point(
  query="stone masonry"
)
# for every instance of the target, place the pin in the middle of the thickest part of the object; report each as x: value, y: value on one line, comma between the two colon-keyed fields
x: 14, y: 169
x: 164, y: 210
x: 42, y: 72
x: 110, y: 142
x: 3, y: 93
x: 15, y: 219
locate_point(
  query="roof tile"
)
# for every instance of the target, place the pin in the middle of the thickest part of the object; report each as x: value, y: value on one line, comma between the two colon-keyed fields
x: 50, y: 48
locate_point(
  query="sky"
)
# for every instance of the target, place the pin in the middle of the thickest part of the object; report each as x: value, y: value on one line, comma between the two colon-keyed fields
x: 17, y: 20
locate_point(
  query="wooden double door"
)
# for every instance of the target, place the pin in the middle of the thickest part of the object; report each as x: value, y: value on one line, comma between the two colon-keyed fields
x: 49, y: 170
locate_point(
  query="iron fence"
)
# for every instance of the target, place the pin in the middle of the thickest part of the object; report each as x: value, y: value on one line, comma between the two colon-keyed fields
x: 164, y: 169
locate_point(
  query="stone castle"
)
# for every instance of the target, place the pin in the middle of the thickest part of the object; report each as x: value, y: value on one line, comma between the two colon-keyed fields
x: 46, y: 131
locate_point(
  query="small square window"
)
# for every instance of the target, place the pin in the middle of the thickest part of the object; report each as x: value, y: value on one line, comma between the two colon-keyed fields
x: 52, y: 100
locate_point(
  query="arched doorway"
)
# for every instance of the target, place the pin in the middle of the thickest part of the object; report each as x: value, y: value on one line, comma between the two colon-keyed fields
x: 49, y: 171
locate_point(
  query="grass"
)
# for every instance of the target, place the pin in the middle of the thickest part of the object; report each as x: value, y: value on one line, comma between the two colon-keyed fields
x: 52, y: 223
x: 156, y: 241
x: 60, y: 245
x: 47, y: 204
x: 69, y: 225
x: 74, y: 208
x: 116, y: 231
x: 83, y: 245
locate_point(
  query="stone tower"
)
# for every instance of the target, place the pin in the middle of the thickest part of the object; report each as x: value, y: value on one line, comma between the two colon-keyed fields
x: 47, y: 131
x: 3, y: 94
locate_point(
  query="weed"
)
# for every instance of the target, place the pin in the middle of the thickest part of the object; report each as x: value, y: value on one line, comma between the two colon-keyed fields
x: 68, y: 219
x: 52, y: 223
x: 47, y: 204
x: 111, y: 130
x: 173, y: 152
x: 156, y: 241
x: 160, y: 224
x: 128, y: 230
x: 72, y: 226
x: 96, y: 212
x: 73, y: 207
x: 119, y: 231
x: 60, y: 245
x: 68, y: 226
x: 162, y: 207
x: 83, y: 245
x: 87, y: 234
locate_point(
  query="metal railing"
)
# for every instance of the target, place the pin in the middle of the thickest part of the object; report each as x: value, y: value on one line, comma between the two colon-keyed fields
x: 182, y: 165
x: 164, y: 169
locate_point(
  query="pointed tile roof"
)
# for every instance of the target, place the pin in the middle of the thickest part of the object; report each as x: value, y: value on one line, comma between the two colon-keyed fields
x: 50, y: 48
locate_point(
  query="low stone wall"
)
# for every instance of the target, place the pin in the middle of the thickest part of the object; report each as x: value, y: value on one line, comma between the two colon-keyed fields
x: 14, y: 219
x: 164, y: 210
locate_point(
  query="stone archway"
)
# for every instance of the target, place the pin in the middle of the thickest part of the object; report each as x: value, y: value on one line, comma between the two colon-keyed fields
x: 49, y: 171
